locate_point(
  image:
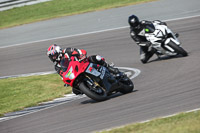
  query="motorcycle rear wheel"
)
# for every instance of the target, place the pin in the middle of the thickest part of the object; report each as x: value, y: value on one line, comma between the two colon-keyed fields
x: 128, y: 86
x: 88, y: 91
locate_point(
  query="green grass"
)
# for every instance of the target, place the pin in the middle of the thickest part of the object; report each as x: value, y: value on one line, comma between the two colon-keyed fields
x: 57, y: 8
x: 181, y: 123
x: 18, y: 93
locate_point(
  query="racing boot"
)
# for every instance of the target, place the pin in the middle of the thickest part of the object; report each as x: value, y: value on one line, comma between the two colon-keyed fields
x: 111, y: 68
x: 101, y: 61
x: 146, y: 56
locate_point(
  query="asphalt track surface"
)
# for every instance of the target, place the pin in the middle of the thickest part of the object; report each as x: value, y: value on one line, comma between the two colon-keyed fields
x: 96, y: 21
x: 164, y: 87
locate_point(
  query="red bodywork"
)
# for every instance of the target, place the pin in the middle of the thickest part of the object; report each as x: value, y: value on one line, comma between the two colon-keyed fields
x: 73, y: 69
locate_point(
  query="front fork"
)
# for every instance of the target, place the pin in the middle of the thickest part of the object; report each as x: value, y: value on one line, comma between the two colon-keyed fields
x: 171, y: 40
x: 94, y: 86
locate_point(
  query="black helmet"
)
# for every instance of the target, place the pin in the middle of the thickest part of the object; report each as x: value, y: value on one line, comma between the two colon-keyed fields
x: 133, y: 21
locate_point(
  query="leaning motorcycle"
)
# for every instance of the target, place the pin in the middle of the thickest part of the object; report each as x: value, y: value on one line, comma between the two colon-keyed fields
x: 93, y: 80
x: 163, y: 40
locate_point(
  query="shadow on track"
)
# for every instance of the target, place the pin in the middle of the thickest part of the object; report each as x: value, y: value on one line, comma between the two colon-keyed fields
x: 167, y: 58
x: 109, y: 97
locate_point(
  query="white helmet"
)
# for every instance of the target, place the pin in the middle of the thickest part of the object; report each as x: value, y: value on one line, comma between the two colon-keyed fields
x: 54, y: 52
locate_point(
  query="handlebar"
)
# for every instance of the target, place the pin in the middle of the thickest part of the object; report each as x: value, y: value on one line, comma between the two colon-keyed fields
x: 83, y: 58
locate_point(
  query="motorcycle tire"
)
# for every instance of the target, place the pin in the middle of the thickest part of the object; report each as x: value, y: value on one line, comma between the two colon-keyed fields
x: 128, y: 86
x: 91, y: 94
x: 178, y: 49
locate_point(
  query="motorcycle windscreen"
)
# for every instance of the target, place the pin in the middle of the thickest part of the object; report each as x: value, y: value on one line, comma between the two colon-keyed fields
x: 64, y: 64
x: 150, y: 28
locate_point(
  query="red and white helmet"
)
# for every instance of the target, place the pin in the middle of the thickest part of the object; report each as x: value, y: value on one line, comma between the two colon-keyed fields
x: 54, y: 52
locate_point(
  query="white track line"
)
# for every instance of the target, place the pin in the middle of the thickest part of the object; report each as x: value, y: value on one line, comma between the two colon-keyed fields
x: 109, y: 129
x: 88, y: 33
x: 28, y: 74
x: 118, y: 28
x: 136, y: 72
x: 66, y: 98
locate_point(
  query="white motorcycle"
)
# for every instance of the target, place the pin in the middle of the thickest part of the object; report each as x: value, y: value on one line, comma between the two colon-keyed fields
x: 163, y: 40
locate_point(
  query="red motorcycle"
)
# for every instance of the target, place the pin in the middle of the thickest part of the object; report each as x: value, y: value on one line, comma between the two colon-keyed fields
x: 93, y: 80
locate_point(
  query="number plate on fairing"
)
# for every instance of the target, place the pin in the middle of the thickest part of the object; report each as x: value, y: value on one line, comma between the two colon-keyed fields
x: 91, y: 70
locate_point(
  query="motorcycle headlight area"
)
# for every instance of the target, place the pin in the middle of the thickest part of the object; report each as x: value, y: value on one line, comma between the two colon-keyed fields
x: 70, y: 74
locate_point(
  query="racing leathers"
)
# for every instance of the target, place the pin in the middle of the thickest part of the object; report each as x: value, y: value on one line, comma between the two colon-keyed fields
x: 81, y: 53
x: 138, y: 35
x: 66, y: 54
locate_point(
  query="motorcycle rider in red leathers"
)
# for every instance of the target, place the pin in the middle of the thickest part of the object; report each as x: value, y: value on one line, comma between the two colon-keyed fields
x: 56, y: 54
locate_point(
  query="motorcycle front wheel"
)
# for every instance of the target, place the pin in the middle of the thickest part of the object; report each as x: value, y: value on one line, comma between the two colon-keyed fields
x: 96, y: 93
x: 178, y: 49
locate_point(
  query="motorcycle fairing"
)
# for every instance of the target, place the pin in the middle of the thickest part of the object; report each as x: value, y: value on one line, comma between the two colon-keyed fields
x: 102, y: 76
x: 168, y: 47
x: 75, y: 69
x: 98, y: 75
x: 142, y: 33
x: 160, y: 39
x: 70, y: 74
x: 106, y: 76
x: 149, y: 28
x: 92, y: 71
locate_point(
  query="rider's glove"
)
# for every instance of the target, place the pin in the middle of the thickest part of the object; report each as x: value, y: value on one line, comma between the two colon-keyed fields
x: 82, y: 57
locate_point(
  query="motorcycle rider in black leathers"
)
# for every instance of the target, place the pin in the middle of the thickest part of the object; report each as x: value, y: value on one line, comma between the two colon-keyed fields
x: 56, y: 54
x: 137, y: 32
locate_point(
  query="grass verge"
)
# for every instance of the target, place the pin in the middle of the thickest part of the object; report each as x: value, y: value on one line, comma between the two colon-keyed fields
x: 181, y: 123
x: 57, y: 8
x: 18, y: 93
